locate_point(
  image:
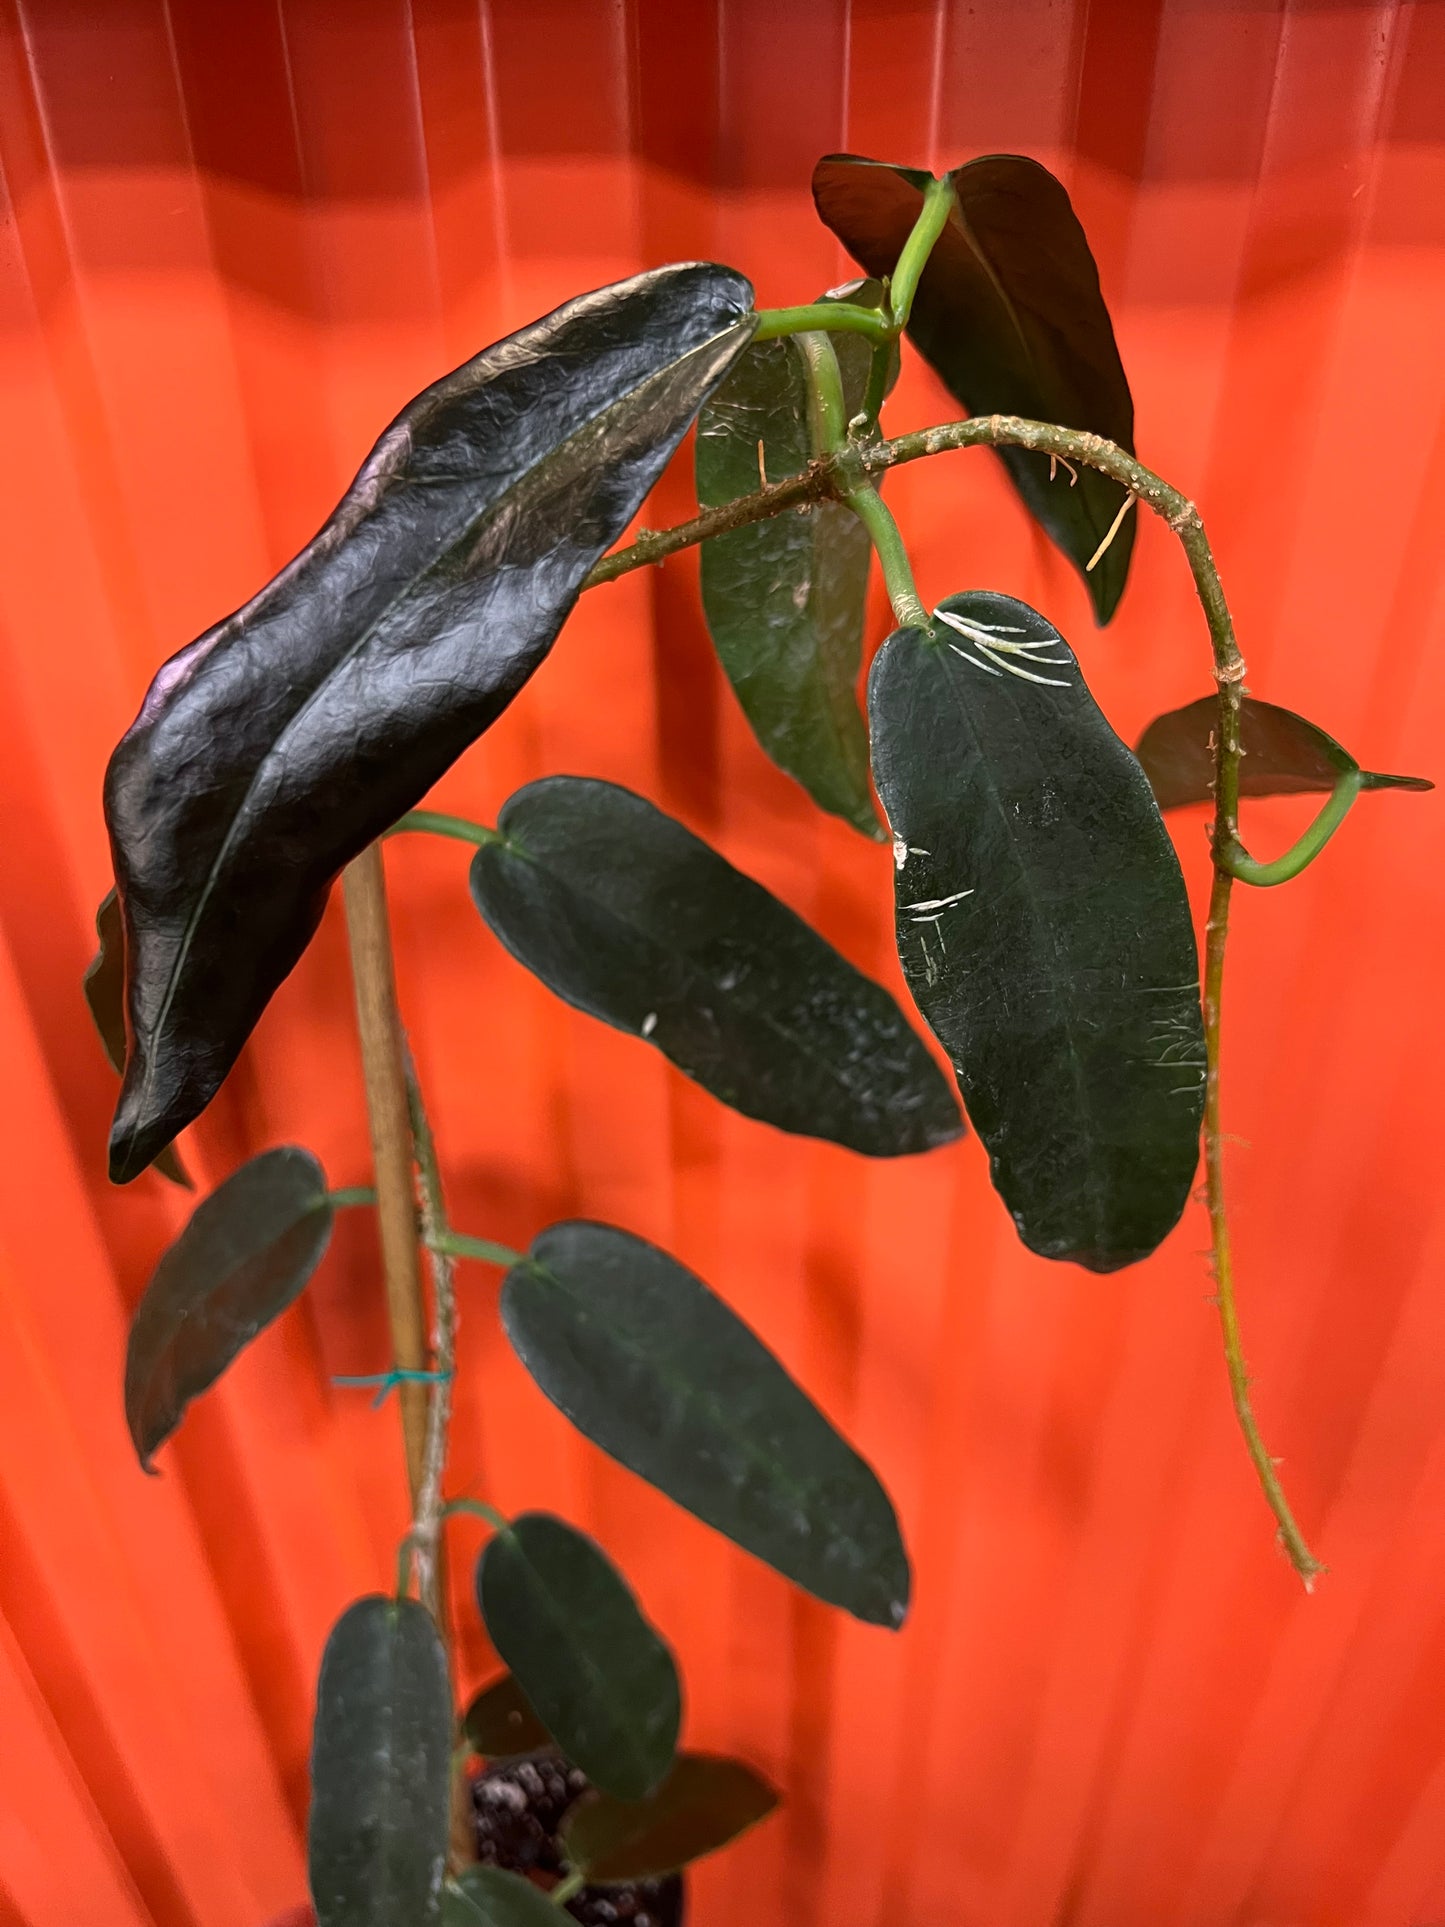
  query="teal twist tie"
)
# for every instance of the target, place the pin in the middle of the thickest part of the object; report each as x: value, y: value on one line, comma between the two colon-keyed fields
x: 387, y: 1382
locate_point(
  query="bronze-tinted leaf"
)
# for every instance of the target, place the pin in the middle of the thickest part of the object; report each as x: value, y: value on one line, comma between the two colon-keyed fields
x: 244, y: 1256
x: 704, y: 1803
x: 1010, y: 316
x: 104, y: 987
x: 1283, y: 755
x: 500, y: 1723
x: 277, y: 746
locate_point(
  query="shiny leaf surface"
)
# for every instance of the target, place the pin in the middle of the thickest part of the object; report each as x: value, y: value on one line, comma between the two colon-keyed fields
x: 104, y: 986
x: 601, y: 1680
x: 491, y: 1897
x: 784, y: 599
x: 630, y: 917
x: 380, y: 1769
x: 652, y: 1366
x: 1043, y: 927
x: 1010, y: 316
x: 1283, y: 755
x: 278, y: 745
x: 500, y: 1724
x: 702, y: 1804
x: 244, y: 1256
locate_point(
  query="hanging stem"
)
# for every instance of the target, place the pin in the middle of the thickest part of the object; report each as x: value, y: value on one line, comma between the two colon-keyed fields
x: 1216, y: 935
x: 835, y: 476
x: 374, y: 977
x: 431, y: 1509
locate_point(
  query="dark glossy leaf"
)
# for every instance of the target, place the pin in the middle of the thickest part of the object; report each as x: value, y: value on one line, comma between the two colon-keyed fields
x: 1283, y: 755
x: 633, y: 919
x: 1043, y: 927
x: 381, y: 1769
x: 1009, y: 315
x: 491, y: 1897
x: 601, y: 1680
x: 702, y: 1804
x: 785, y: 598
x: 244, y: 1256
x: 500, y: 1724
x: 659, y: 1372
x: 277, y: 746
x: 104, y: 986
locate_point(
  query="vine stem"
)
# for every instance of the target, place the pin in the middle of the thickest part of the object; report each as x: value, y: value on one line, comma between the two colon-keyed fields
x: 431, y: 1508
x: 834, y: 475
x: 373, y: 976
x: 428, y: 1510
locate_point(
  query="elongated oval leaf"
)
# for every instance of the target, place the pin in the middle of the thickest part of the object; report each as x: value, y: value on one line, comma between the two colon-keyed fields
x: 659, y: 1372
x: 702, y: 1804
x: 381, y: 1769
x: 491, y: 1897
x: 1043, y: 927
x: 1283, y: 755
x: 500, y: 1723
x: 244, y: 1256
x: 1009, y: 315
x: 104, y: 986
x: 601, y: 1680
x: 785, y: 598
x: 630, y: 917
x: 278, y: 745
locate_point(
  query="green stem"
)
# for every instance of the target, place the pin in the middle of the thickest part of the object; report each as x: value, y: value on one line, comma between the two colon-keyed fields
x: 938, y: 204
x: 834, y: 317
x: 440, y: 824
x: 1293, y: 1540
x: 1234, y: 858
x: 478, y: 1509
x: 351, y: 1196
x: 456, y: 1244
x: 827, y: 410
x: 867, y: 504
x: 568, y: 1889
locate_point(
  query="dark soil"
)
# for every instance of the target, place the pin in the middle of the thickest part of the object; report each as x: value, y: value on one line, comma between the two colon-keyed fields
x: 519, y: 1807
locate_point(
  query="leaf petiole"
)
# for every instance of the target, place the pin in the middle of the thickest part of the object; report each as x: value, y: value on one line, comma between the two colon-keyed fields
x: 938, y: 204
x: 867, y: 504
x: 1236, y: 860
x: 831, y: 317
x: 440, y: 824
x: 478, y: 1509
x: 456, y: 1244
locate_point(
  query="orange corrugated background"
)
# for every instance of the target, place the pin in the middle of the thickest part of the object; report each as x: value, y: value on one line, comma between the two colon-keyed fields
x: 236, y: 238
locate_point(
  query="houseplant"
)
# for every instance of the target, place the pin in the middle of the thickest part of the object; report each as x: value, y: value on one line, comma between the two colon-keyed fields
x: 1042, y: 924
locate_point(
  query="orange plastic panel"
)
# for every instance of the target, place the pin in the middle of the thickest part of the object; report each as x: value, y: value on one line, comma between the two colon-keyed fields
x: 236, y: 238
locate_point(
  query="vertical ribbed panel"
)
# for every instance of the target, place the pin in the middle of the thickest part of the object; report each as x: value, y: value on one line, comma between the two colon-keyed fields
x: 236, y: 238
